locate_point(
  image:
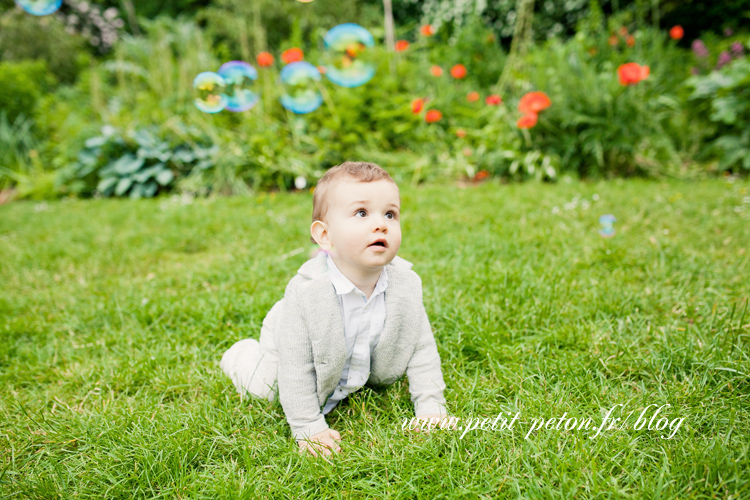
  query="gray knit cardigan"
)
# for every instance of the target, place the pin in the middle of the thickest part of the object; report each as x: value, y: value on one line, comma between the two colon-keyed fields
x: 312, y: 349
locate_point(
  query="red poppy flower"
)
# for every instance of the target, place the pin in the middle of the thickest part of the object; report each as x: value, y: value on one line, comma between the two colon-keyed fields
x: 292, y: 55
x: 630, y: 40
x: 493, y: 100
x: 264, y: 59
x: 460, y: 133
x: 677, y: 32
x: 632, y: 73
x: 527, y: 121
x: 436, y: 70
x: 613, y: 40
x: 623, y: 30
x: 322, y: 70
x: 432, y: 116
x: 482, y: 174
x: 458, y: 71
x: 417, y: 105
x: 402, y: 45
x: 427, y: 30
x: 534, y: 102
x: 472, y: 96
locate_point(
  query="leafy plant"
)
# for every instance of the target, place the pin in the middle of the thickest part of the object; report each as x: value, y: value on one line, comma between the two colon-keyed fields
x: 139, y: 164
x: 727, y: 93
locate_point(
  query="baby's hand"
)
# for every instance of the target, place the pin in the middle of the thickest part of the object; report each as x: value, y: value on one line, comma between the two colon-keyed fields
x: 434, y: 421
x: 323, y: 442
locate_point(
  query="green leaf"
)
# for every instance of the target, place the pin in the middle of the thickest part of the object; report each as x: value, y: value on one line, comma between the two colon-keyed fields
x: 149, y: 190
x: 148, y: 173
x: 164, y: 177
x: 136, y: 192
x: 106, y: 184
x: 95, y: 142
x: 127, y: 164
x: 123, y: 185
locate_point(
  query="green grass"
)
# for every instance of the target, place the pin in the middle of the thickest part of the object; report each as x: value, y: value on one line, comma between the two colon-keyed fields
x: 114, y: 315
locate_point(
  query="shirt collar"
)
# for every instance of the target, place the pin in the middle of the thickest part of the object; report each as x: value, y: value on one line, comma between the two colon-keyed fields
x: 343, y: 285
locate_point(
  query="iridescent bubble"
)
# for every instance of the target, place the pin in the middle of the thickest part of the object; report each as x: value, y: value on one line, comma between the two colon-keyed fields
x: 39, y: 7
x: 301, y: 92
x: 607, y: 221
x: 349, y: 61
x: 210, y: 90
x: 239, y: 77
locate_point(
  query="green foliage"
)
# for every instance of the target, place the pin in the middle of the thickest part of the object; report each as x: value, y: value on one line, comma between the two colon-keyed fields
x: 139, y: 164
x: 21, y: 85
x: 727, y: 93
x: 25, y: 37
x: 17, y: 147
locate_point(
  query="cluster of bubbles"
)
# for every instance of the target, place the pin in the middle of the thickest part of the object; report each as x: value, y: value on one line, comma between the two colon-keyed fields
x: 348, y: 63
x: 230, y: 88
x: 607, y: 222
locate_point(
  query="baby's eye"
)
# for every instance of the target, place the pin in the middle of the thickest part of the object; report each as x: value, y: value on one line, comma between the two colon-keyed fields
x: 360, y: 211
x: 390, y: 215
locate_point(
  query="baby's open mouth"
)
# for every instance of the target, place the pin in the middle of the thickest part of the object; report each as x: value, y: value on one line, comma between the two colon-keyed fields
x: 380, y: 243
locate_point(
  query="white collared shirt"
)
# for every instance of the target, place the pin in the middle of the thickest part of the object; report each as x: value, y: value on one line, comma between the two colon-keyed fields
x: 364, y: 320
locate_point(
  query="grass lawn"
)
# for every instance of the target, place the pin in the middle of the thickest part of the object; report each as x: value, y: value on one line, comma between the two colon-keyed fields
x: 114, y: 315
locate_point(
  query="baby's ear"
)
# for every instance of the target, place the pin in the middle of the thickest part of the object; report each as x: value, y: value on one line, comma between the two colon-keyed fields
x: 319, y: 234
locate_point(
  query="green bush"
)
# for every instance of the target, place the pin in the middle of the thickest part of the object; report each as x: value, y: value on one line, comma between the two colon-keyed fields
x: 21, y: 85
x: 26, y: 37
x: 725, y: 95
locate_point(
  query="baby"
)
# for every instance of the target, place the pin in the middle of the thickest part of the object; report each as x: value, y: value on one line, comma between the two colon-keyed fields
x: 353, y: 315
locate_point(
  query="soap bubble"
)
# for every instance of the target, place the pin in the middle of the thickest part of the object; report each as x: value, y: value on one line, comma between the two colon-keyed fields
x: 239, y: 77
x: 209, y: 90
x: 607, y: 221
x: 301, y: 93
x: 348, y: 61
x: 39, y: 7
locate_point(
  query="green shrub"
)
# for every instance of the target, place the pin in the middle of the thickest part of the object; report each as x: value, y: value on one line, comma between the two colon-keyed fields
x: 25, y: 37
x: 725, y: 94
x: 21, y: 85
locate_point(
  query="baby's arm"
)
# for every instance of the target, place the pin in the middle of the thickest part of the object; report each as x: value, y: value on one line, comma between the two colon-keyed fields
x: 297, y: 378
x: 426, y: 383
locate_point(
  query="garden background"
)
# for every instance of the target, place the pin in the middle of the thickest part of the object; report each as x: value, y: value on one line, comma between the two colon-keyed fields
x: 512, y: 127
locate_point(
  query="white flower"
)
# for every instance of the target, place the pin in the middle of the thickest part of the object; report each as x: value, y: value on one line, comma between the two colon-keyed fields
x: 300, y: 182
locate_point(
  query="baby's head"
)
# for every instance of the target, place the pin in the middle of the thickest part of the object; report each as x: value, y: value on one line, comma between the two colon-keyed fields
x: 356, y: 216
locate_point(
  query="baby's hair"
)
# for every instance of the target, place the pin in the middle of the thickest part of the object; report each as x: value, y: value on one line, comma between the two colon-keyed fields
x: 361, y: 171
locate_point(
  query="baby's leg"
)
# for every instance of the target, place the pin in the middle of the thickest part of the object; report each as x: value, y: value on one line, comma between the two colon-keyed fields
x: 253, y: 365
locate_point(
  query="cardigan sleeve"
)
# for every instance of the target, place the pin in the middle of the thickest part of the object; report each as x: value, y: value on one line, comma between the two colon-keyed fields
x: 296, y: 376
x: 423, y: 371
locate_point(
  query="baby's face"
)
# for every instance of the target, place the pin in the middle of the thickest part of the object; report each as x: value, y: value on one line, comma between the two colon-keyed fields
x: 363, y: 222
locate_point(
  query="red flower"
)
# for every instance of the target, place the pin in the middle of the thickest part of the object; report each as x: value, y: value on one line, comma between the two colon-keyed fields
x: 458, y: 71
x: 613, y: 40
x: 264, y: 59
x: 630, y: 40
x: 623, y: 30
x: 292, y: 55
x: 534, y: 102
x: 676, y: 32
x: 527, y: 121
x: 493, y: 100
x: 482, y: 174
x: 436, y: 70
x: 432, y: 116
x: 472, y: 96
x: 322, y: 70
x: 632, y: 73
x: 402, y: 45
x: 460, y: 133
x: 417, y: 105
x: 427, y: 30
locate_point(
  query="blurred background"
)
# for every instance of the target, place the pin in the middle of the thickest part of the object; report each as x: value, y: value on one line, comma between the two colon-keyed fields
x: 98, y: 99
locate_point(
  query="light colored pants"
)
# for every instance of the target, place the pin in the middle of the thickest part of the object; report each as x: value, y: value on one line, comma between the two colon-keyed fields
x: 252, y: 365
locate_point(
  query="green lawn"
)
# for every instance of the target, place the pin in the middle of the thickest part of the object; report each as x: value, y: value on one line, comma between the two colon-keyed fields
x: 114, y: 315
